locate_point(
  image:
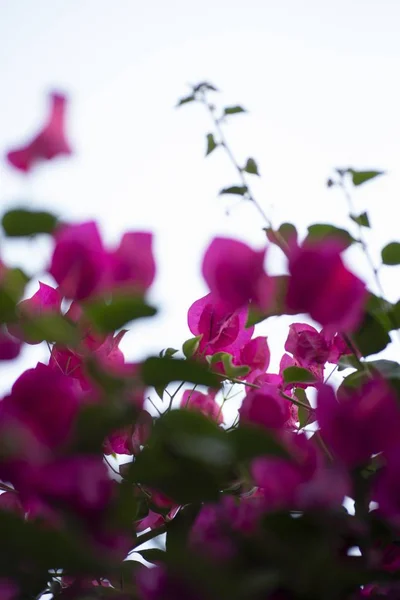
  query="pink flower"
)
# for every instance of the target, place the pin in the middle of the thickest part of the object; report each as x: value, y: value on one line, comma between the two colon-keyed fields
x: 204, y: 403
x: 9, y: 347
x: 235, y: 274
x: 210, y: 533
x: 255, y: 354
x: 44, y: 402
x: 222, y: 329
x: 320, y: 285
x: 265, y: 407
x: 307, y: 345
x: 46, y: 145
x: 79, y: 264
x: 8, y: 589
x: 151, y: 521
x: 46, y: 300
x: 132, y: 263
x: 359, y: 422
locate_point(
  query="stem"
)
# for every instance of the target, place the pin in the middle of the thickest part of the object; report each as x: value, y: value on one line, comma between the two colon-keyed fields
x: 224, y: 143
x: 174, y: 394
x: 296, y: 402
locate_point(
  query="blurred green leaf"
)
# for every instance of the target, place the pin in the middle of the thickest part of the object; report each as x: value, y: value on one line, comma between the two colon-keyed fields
x: 359, y: 177
x: 12, y: 286
x: 361, y: 219
x: 231, y: 371
x: 233, y: 110
x: 305, y: 416
x: 283, y: 237
x: 391, y: 254
x: 298, y: 375
x: 158, y: 371
x: 123, y: 308
x: 204, y: 85
x: 52, y: 328
x: 211, y: 144
x: 153, y: 555
x: 251, y: 167
x: 21, y: 222
x: 237, y: 190
x: 191, y: 346
x: 322, y: 231
x: 250, y: 442
x: 186, y: 100
x: 371, y: 336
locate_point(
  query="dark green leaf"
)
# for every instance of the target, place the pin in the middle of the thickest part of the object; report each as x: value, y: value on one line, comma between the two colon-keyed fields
x: 22, y: 222
x: 251, y: 167
x: 204, y: 85
x: 249, y: 442
x: 321, y: 231
x: 162, y: 371
x: 391, y: 254
x: 388, y: 368
x: 348, y: 361
x: 238, y: 190
x: 360, y: 177
x: 233, y: 110
x: 298, y: 375
x: 211, y: 144
x: 186, y: 100
x: 190, y: 347
x: 361, y: 219
x: 371, y: 337
x: 188, y: 457
x: 153, y: 555
x: 109, y: 316
x: 394, y: 315
x: 53, y: 328
x: 168, y: 352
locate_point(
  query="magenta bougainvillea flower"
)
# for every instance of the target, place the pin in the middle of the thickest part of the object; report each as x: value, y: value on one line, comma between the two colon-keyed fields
x: 322, y: 286
x: 359, y: 422
x: 235, y: 274
x: 79, y: 263
x: 46, y: 402
x: 49, y: 143
x: 9, y: 346
x: 307, y: 345
x: 265, y: 407
x: 255, y: 354
x: 46, y: 300
x: 204, y: 403
x: 386, y: 488
x: 222, y: 329
x: 132, y: 263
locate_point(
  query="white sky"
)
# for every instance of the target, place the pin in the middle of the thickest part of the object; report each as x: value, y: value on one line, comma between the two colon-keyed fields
x: 321, y: 82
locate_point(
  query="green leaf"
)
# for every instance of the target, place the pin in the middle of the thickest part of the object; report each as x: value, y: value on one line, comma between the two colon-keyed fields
x: 211, y: 144
x: 361, y: 219
x: 191, y: 346
x: 283, y: 237
x: 233, y: 110
x: 232, y: 371
x: 188, y: 457
x: 394, y: 315
x: 204, y: 85
x: 53, y: 328
x: 21, y: 222
x: 186, y: 100
x: 391, y: 254
x: 169, y: 352
x: 348, y: 361
x: 251, y: 167
x: 250, y: 442
x: 162, y: 371
x: 321, y: 231
x: 109, y: 316
x: 305, y: 416
x: 359, y: 177
x: 12, y: 287
x: 298, y: 375
x: 237, y: 190
x: 371, y: 336
x: 153, y: 555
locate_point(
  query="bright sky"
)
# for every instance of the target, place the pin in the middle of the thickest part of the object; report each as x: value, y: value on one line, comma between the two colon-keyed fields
x: 320, y: 80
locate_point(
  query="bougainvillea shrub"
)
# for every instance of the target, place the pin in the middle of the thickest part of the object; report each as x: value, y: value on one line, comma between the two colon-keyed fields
x: 296, y: 497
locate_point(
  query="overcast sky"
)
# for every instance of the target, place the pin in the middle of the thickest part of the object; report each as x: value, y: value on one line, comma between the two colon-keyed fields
x: 320, y: 80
